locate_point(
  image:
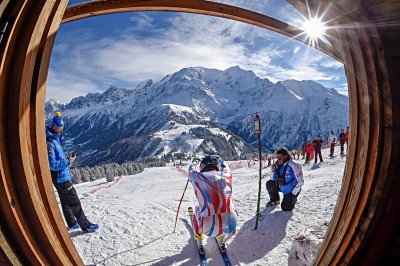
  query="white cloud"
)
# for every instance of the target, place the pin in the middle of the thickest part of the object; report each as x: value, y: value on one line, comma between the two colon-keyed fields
x: 193, y: 40
x: 331, y: 63
x: 142, y: 21
x: 303, y: 72
x: 290, y: 15
x: 64, y: 87
x: 343, y: 89
x: 133, y: 60
x: 184, y: 40
x: 276, y: 63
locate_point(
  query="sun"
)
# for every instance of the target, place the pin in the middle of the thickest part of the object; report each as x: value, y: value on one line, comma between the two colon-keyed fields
x: 314, y: 28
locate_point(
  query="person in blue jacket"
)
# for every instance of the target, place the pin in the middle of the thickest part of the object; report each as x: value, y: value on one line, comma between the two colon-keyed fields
x: 287, y: 178
x: 61, y: 177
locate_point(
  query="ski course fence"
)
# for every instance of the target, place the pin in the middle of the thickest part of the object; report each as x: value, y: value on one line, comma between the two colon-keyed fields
x: 233, y: 166
x: 106, y: 186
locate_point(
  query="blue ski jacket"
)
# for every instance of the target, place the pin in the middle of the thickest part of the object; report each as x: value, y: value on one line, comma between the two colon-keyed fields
x: 293, y: 177
x: 59, y: 164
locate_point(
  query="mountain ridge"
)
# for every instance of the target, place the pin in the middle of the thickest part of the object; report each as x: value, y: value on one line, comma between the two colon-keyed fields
x: 208, y: 99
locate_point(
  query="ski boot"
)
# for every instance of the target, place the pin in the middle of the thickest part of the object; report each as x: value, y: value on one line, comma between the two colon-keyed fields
x: 221, y: 243
x: 92, y: 228
x: 199, y: 241
x: 272, y: 203
x: 76, y: 226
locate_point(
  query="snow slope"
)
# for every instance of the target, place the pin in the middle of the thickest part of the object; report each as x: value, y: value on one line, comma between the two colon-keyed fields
x: 137, y: 215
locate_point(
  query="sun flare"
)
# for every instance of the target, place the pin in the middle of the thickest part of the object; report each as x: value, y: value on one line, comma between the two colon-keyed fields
x: 314, y: 28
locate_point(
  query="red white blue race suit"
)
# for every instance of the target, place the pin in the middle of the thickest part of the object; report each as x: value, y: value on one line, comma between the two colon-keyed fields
x: 216, y: 214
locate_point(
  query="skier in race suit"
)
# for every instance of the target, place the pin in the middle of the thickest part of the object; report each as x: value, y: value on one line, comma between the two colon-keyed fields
x: 212, y: 183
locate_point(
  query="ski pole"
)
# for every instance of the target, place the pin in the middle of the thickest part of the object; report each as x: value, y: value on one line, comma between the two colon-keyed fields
x: 179, y: 206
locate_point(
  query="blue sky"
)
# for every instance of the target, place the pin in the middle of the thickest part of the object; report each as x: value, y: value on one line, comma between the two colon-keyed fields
x: 124, y: 49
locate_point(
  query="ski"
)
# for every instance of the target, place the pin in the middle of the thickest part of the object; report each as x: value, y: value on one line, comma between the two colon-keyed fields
x: 224, y: 255
x: 202, y: 255
x: 203, y: 259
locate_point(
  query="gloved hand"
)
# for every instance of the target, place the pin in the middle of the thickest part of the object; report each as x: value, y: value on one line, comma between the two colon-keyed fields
x: 274, y: 167
x: 72, y: 158
x: 295, y: 191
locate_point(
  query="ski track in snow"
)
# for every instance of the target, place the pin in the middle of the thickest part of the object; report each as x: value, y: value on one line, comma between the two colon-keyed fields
x: 137, y: 216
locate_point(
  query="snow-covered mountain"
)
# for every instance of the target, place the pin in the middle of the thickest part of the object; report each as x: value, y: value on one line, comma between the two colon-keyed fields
x: 198, y: 110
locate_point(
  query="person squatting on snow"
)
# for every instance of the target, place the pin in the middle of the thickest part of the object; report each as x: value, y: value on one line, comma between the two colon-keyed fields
x: 61, y: 177
x: 317, y: 147
x: 216, y: 215
x: 332, y: 142
x: 287, y: 178
x: 342, y: 140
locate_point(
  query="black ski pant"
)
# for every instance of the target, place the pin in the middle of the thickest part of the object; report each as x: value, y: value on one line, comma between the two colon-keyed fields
x: 289, y: 200
x: 318, y: 153
x: 332, y: 149
x: 71, y: 205
x: 341, y: 148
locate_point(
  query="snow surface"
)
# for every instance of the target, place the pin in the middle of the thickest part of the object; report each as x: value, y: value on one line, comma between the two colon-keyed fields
x: 137, y: 213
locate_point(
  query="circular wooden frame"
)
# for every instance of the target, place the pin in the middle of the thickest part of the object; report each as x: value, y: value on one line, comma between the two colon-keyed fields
x: 364, y: 228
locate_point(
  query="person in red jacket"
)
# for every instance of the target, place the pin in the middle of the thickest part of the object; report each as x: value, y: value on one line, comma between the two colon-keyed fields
x: 303, y: 151
x: 309, y: 149
x: 317, y: 147
x: 312, y: 151
x: 347, y: 138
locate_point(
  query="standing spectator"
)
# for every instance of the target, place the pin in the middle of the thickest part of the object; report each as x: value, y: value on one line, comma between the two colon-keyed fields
x: 332, y: 142
x: 287, y: 178
x: 215, y: 216
x: 317, y: 147
x: 342, y: 140
x: 269, y: 160
x: 61, y: 177
x: 298, y: 153
x: 347, y: 139
x: 303, y: 151
x: 312, y: 151
x: 309, y: 148
x: 294, y: 153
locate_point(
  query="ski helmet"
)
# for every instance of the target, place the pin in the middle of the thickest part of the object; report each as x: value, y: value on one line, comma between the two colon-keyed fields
x: 210, y: 162
x: 195, y: 160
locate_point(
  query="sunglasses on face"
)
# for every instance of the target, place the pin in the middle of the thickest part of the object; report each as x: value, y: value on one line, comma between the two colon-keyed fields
x: 279, y: 158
